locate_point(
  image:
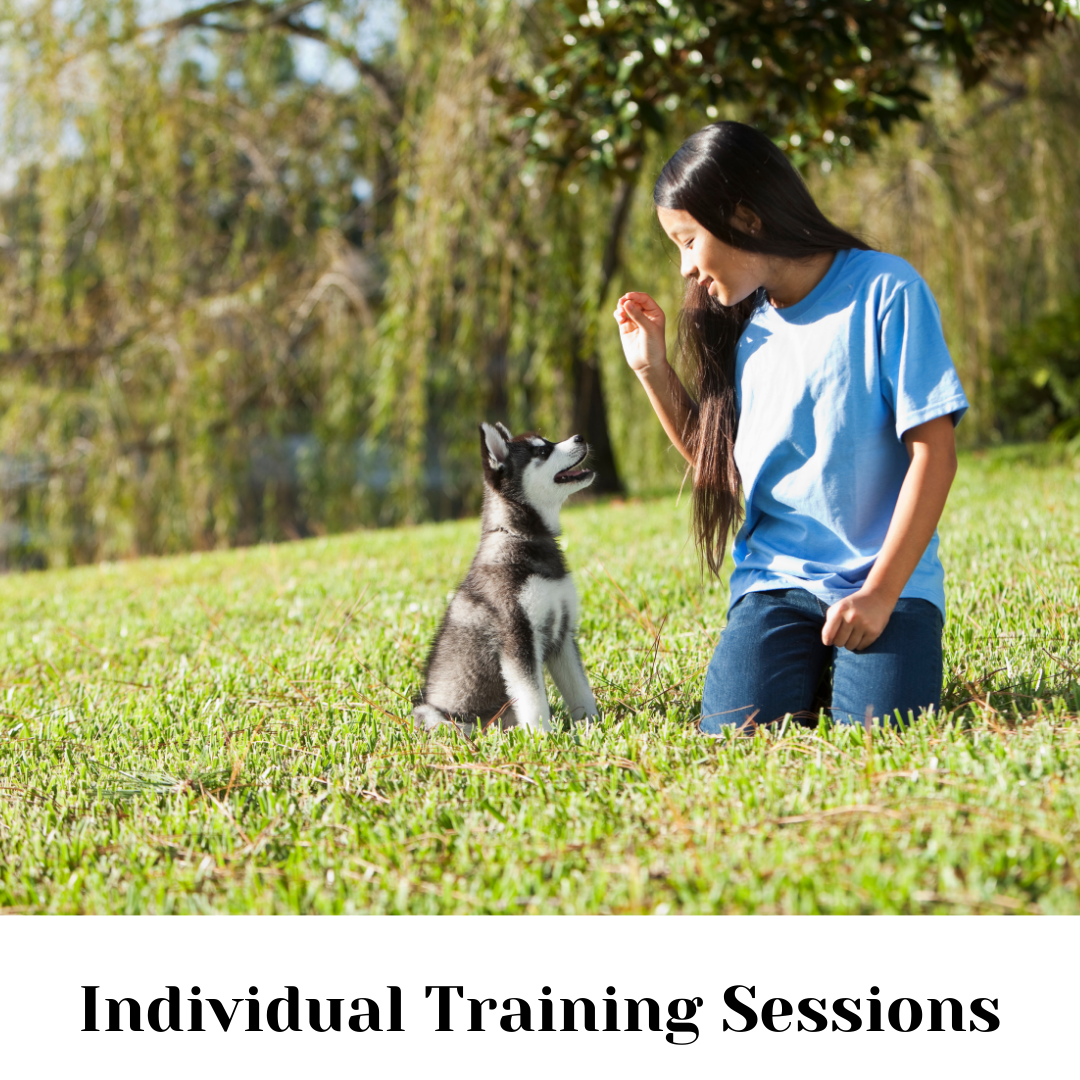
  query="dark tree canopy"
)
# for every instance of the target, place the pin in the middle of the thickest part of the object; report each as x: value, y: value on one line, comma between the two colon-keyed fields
x: 819, y: 75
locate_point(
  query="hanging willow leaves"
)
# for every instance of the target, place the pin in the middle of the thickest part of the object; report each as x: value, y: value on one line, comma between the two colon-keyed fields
x: 182, y: 311
x: 488, y: 291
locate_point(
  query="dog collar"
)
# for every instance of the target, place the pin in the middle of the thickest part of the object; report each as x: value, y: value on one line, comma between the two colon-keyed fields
x: 509, y: 532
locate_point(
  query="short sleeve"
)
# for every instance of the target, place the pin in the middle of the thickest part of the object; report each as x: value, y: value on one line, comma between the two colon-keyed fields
x: 918, y: 378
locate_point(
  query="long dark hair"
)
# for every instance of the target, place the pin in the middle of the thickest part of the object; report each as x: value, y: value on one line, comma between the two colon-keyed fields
x: 713, y: 173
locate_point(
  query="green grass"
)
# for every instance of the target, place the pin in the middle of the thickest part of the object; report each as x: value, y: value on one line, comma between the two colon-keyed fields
x: 229, y: 732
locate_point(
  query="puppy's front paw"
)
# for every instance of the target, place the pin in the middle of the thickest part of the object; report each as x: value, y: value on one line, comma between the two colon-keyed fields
x: 587, y: 722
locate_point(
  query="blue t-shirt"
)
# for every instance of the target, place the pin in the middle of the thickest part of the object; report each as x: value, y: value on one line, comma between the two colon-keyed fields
x: 826, y: 388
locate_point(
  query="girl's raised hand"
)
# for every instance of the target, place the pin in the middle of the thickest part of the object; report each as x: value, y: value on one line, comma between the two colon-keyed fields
x: 641, y: 328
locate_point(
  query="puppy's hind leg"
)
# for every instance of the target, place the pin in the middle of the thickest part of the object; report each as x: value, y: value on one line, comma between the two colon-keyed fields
x: 568, y: 671
x: 428, y: 718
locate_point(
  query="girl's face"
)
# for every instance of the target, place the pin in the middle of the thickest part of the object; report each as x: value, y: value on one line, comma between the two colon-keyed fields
x: 729, y: 274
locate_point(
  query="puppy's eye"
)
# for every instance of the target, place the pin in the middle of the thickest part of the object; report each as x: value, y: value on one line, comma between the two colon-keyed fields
x: 543, y: 452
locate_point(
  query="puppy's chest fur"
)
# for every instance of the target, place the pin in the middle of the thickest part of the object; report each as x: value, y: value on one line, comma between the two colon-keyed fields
x: 527, y: 579
x: 551, y: 607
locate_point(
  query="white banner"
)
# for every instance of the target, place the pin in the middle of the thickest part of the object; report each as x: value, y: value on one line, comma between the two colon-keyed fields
x: 525, y: 997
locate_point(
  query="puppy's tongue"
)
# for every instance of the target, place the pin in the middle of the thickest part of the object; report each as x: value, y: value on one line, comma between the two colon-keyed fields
x: 572, y: 474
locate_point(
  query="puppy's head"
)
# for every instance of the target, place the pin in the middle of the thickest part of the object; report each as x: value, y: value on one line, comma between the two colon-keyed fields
x: 533, y: 472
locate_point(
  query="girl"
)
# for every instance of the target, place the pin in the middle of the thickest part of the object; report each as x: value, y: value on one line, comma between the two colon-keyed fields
x: 826, y: 397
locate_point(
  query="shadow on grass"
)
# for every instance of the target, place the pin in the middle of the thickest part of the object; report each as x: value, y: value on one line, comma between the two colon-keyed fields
x: 210, y: 782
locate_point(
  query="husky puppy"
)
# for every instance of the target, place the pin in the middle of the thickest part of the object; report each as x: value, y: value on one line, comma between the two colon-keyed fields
x: 517, y: 608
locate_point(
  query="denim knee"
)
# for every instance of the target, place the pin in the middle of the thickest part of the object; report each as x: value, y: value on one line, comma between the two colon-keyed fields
x: 900, y: 672
x: 768, y: 661
x: 770, y: 658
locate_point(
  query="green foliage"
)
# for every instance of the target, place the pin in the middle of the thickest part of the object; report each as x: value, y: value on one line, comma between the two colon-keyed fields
x: 1037, y: 378
x: 981, y: 199
x: 487, y: 291
x: 228, y: 732
x: 183, y: 313
x: 819, y: 75
x: 206, y: 339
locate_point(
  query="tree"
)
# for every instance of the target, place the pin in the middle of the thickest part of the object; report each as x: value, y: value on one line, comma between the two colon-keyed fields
x: 183, y: 295
x: 819, y: 75
x: 823, y: 77
x: 587, y: 85
x: 207, y: 337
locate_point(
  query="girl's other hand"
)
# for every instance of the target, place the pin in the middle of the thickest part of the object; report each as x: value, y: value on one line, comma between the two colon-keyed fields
x: 641, y: 329
x: 857, y: 621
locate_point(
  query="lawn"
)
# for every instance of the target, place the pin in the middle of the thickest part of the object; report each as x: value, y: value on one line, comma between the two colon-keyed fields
x: 230, y: 732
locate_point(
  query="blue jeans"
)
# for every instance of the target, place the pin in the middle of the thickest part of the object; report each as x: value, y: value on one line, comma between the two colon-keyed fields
x: 770, y: 661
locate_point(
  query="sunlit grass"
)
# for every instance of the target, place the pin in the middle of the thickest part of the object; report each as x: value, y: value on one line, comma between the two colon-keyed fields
x: 230, y: 732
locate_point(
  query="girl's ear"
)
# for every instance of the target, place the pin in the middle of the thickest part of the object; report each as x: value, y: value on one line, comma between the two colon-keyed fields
x: 745, y: 220
x: 493, y: 448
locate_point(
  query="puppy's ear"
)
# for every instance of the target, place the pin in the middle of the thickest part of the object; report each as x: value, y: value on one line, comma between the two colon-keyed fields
x: 493, y: 448
x: 503, y: 430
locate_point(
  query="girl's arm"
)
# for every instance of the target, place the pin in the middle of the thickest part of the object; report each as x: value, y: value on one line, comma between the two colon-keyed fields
x: 641, y: 328
x: 858, y: 620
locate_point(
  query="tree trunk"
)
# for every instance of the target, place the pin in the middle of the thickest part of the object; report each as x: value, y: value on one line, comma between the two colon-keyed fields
x: 590, y: 408
x: 590, y: 420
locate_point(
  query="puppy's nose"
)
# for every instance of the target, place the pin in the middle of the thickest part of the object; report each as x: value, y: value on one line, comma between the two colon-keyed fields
x: 577, y: 439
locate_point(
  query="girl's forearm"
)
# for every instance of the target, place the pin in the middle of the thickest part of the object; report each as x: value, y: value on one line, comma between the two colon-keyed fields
x: 673, y: 406
x: 918, y: 509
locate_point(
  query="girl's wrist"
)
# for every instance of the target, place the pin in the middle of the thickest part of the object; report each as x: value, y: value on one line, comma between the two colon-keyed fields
x: 881, y: 592
x: 653, y: 370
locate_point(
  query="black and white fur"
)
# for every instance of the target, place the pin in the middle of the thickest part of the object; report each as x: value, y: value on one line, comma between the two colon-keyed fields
x: 517, y: 608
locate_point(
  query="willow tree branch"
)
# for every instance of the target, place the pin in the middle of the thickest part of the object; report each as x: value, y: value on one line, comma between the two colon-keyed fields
x: 382, y: 87
x: 1011, y: 93
x: 197, y: 16
x: 282, y: 16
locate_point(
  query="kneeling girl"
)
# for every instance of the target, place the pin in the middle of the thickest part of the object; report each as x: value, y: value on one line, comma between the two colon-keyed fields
x: 825, y: 402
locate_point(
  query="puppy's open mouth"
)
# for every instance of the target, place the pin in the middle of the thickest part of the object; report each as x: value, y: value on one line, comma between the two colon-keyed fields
x: 570, y: 476
x: 574, y: 475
